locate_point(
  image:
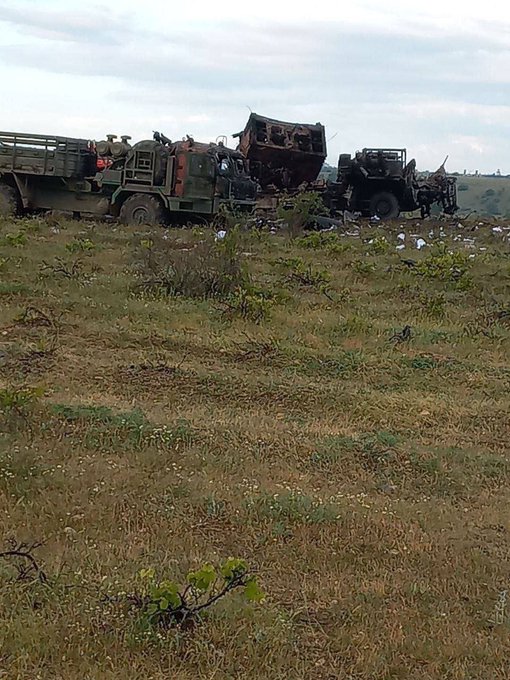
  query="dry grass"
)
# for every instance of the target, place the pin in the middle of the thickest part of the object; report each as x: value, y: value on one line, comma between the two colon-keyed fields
x: 367, y: 480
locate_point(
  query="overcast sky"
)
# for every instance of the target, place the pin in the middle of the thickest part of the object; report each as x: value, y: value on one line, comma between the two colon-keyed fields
x: 435, y: 79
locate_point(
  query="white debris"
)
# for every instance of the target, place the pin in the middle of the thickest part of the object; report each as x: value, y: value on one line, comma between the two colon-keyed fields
x: 375, y: 218
x: 220, y: 235
x: 420, y: 243
x: 401, y: 236
x: 498, y: 230
x: 401, y: 246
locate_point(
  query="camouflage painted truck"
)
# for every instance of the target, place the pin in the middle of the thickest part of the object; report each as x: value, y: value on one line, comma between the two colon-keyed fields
x: 151, y: 182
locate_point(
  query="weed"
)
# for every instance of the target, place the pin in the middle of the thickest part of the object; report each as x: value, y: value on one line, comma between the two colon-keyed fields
x: 208, y: 269
x: 305, y: 275
x: 248, y: 303
x: 433, y: 305
x: 445, y: 265
x: 8, y: 288
x: 259, y: 350
x: 297, y: 210
x: 292, y: 506
x: 69, y: 270
x: 17, y: 240
x: 379, y: 245
x: 19, y: 399
x: 323, y: 240
x: 102, y: 428
x: 161, y: 603
x: 80, y: 245
x: 332, y: 449
x: 363, y: 267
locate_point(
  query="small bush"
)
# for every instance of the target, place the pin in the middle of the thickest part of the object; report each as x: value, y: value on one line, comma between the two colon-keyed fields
x: 208, y: 269
x: 363, y: 267
x: 323, y: 240
x: 80, y: 245
x: 296, y: 271
x: 18, y: 399
x: 248, y: 303
x: 297, y: 210
x: 433, y: 305
x: 379, y: 245
x: 18, y: 240
x: 445, y: 265
x: 161, y: 603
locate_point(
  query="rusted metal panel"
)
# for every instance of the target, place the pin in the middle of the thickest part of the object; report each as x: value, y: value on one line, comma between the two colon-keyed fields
x: 282, y: 155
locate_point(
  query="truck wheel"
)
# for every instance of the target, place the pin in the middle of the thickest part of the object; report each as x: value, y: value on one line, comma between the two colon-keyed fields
x: 385, y: 205
x: 141, y: 209
x: 8, y: 201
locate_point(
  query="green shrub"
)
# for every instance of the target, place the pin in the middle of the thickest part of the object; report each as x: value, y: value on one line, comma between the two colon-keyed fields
x: 161, y: 603
x: 208, y: 269
x: 297, y: 210
x: 445, y: 265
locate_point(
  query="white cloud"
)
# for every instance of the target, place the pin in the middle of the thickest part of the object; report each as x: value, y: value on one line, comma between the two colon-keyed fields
x: 430, y: 78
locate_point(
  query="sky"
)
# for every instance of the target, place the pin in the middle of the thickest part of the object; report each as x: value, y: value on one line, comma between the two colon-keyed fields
x: 432, y: 76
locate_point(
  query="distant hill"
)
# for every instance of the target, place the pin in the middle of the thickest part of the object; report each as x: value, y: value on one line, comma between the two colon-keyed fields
x: 485, y: 195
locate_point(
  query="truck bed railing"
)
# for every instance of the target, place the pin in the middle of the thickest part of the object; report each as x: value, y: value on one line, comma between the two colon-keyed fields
x: 43, y: 154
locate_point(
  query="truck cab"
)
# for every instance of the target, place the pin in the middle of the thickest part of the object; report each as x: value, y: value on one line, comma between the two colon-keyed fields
x: 151, y: 182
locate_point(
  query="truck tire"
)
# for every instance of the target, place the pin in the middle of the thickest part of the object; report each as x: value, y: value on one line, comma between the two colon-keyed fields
x: 8, y: 201
x: 141, y: 209
x: 385, y: 205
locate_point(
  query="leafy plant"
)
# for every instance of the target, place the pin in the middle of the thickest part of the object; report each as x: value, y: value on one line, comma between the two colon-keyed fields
x: 433, y: 305
x: 163, y: 603
x: 19, y: 399
x: 305, y: 275
x: 323, y: 240
x: 18, y: 240
x: 445, y: 265
x: 248, y: 303
x: 363, y: 267
x: 297, y: 210
x: 80, y: 245
x: 379, y: 245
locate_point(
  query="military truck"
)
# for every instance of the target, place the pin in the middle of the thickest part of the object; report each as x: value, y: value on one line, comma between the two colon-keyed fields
x: 151, y: 182
x: 380, y: 182
x: 282, y: 157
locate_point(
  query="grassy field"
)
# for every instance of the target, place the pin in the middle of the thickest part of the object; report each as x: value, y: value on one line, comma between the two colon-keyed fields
x: 259, y: 399
x: 486, y: 196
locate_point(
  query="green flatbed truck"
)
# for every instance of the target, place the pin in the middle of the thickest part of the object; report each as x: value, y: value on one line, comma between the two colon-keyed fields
x: 152, y: 182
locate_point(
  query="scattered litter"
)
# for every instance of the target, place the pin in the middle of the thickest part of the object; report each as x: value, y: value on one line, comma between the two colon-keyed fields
x: 401, y: 246
x: 220, y: 235
x: 497, y: 229
x: 401, y: 236
x: 420, y: 243
x: 375, y: 218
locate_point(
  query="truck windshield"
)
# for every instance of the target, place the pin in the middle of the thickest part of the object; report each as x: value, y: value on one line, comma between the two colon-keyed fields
x: 224, y: 166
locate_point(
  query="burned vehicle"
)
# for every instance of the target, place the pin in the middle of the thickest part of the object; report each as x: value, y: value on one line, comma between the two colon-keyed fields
x: 382, y: 183
x: 151, y: 182
x: 282, y: 157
